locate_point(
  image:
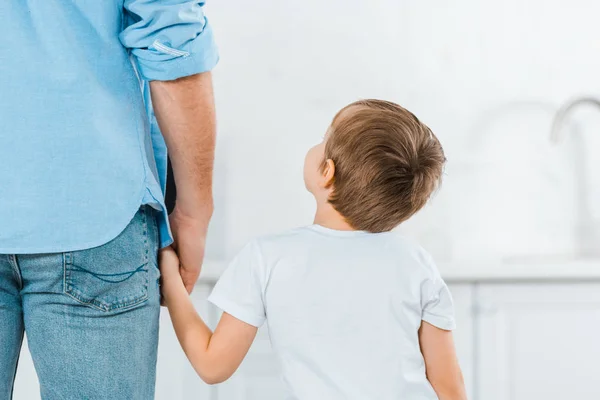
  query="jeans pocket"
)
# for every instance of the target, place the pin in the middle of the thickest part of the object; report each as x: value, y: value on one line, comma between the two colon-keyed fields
x: 115, y: 276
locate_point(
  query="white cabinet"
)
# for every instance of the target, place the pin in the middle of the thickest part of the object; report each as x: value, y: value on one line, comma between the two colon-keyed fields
x: 537, y: 341
x: 259, y: 376
x: 515, y: 341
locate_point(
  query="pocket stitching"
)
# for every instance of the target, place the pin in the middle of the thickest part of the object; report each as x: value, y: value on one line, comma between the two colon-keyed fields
x: 80, y: 297
x: 71, y: 290
x: 102, y: 306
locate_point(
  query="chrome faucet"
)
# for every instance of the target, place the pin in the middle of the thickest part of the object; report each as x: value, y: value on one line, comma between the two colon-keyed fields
x: 587, y: 229
x: 564, y: 111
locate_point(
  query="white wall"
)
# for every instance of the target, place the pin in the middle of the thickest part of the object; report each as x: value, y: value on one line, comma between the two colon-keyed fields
x: 486, y: 76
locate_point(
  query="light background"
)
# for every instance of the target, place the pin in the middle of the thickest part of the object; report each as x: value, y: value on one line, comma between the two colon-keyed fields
x: 487, y: 77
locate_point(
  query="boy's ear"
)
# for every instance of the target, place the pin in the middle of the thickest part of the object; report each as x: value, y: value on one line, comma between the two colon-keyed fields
x: 328, y: 174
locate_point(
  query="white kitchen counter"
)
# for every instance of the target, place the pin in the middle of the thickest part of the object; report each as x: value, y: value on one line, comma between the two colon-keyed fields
x: 538, y: 271
x: 484, y: 271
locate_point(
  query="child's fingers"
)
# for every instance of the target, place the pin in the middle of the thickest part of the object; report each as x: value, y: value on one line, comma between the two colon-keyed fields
x: 169, y: 268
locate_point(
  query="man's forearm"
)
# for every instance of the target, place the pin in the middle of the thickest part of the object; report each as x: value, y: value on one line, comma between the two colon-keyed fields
x: 186, y: 115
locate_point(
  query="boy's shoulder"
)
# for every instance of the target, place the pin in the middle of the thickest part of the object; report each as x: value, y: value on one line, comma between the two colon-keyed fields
x: 409, y: 251
x: 276, y: 240
x: 394, y: 243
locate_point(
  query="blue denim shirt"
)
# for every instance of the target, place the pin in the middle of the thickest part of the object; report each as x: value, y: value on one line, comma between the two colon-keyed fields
x: 80, y: 150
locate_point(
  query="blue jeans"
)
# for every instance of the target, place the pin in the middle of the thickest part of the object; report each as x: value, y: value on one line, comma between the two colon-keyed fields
x: 91, y: 317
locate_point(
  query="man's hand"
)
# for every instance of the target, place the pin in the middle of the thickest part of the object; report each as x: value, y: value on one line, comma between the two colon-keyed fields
x: 185, y: 112
x: 190, y: 239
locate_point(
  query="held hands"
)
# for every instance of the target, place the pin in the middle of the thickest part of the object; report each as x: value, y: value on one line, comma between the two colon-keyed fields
x: 189, y: 232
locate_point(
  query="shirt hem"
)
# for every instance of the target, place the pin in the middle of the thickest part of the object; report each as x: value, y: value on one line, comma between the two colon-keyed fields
x: 85, y: 245
x: 440, y: 322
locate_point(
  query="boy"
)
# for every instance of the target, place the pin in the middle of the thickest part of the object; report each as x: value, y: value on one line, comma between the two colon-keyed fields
x: 355, y: 310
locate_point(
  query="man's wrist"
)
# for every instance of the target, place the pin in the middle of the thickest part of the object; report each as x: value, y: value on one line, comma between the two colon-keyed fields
x: 199, y: 210
x: 195, y: 189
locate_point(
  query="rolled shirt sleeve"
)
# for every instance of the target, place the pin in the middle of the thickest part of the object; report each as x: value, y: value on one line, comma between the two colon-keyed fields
x: 169, y: 39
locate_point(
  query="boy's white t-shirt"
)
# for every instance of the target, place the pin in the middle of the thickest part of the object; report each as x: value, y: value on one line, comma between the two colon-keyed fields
x: 343, y: 309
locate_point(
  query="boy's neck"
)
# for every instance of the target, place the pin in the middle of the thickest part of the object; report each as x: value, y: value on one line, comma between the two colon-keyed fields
x: 328, y: 217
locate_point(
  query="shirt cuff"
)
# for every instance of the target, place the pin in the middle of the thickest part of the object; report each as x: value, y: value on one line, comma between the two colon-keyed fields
x: 445, y: 323
x: 163, y: 63
x: 236, y: 311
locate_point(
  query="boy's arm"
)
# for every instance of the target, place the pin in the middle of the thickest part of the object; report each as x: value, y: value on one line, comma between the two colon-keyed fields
x: 214, y: 356
x: 441, y: 363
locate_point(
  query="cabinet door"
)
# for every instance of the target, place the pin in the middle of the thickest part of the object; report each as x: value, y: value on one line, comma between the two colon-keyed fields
x: 259, y: 375
x: 538, y: 342
x: 462, y: 295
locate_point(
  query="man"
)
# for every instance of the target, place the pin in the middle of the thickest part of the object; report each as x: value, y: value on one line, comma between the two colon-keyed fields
x: 82, y: 175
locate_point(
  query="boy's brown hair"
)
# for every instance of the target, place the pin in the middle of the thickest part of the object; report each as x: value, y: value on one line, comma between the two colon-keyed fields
x: 387, y: 164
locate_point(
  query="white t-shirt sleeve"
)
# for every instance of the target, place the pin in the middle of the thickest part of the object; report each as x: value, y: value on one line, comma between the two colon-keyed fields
x: 438, y: 307
x: 239, y: 291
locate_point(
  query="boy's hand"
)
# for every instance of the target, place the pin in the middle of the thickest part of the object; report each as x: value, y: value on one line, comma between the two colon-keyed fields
x: 214, y: 356
x: 169, y: 268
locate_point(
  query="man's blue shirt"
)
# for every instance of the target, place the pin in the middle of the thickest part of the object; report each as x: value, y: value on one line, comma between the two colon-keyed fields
x: 80, y: 150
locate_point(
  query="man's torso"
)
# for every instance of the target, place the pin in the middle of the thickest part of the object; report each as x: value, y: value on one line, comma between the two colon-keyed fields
x: 73, y: 126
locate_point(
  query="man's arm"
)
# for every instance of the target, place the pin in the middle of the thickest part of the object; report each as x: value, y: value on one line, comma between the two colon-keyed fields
x: 441, y: 363
x: 214, y: 356
x: 173, y: 46
x: 185, y: 112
